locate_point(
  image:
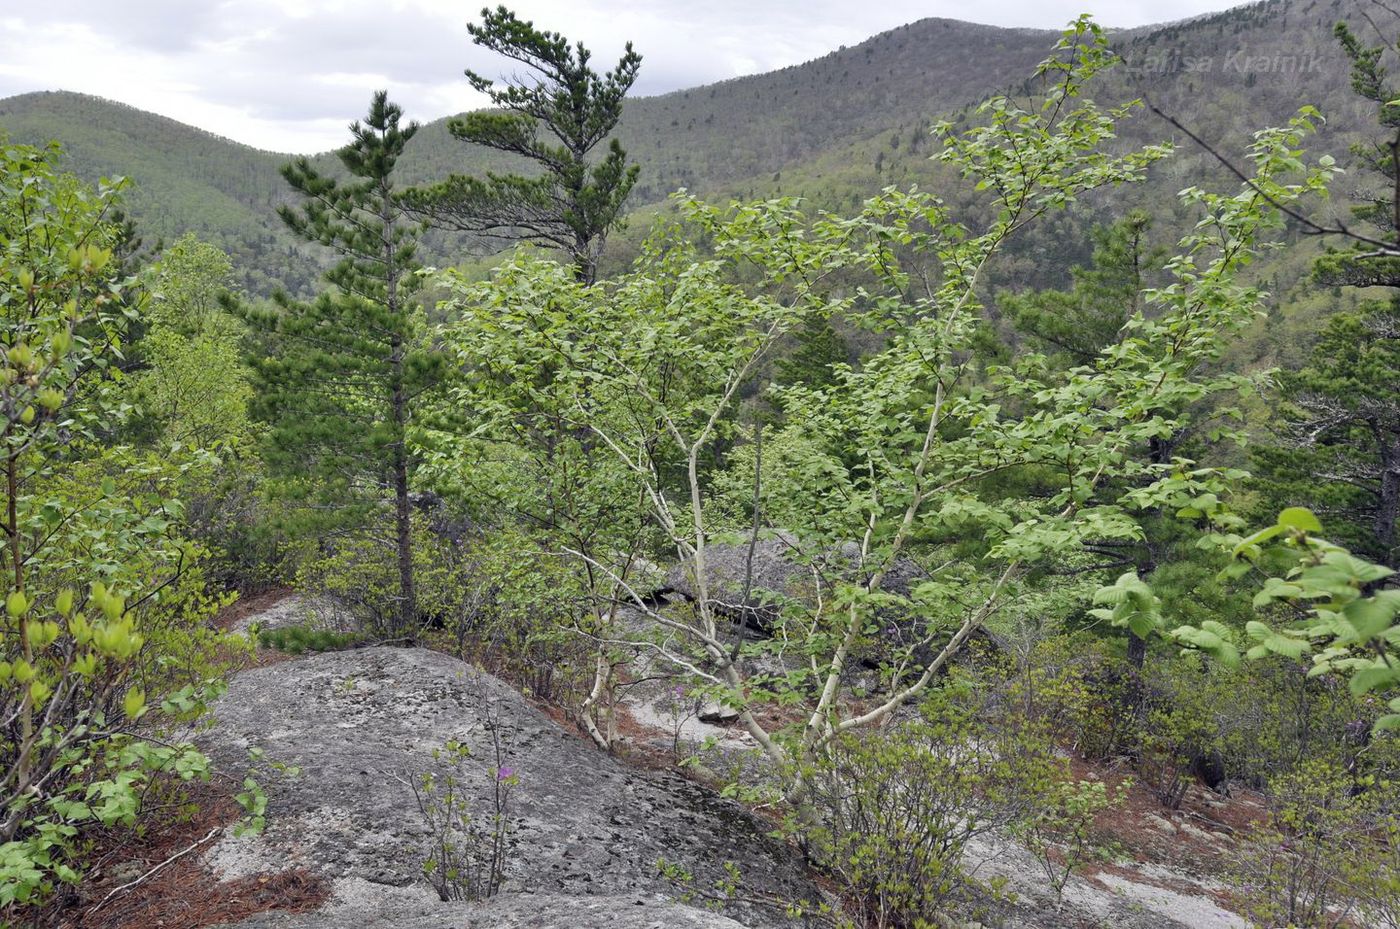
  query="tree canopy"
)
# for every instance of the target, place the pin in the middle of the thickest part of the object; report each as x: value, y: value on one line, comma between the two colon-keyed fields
x: 568, y: 202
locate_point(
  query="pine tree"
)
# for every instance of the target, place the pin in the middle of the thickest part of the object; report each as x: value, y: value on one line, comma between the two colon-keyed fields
x: 339, y: 377
x: 573, y: 203
x: 818, y: 347
x: 1074, y: 326
x: 1338, y: 435
x: 1338, y: 448
x: 1359, y: 266
x: 1080, y: 322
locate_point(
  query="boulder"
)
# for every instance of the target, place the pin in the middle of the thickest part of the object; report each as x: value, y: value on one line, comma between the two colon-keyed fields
x: 775, y: 570
x: 717, y: 714
x: 781, y: 568
x: 299, y: 610
x: 361, y: 724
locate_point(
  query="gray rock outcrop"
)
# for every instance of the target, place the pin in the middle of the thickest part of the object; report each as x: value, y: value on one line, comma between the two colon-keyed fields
x: 780, y: 567
x: 507, y: 911
x: 359, y: 724
x: 749, y: 585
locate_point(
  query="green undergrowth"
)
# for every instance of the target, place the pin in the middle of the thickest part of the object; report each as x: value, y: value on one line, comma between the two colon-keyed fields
x: 294, y: 640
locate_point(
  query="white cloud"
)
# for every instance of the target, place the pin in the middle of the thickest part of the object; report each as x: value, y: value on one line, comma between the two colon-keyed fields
x: 288, y: 75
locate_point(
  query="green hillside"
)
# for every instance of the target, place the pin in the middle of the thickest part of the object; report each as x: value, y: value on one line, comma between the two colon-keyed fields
x: 186, y: 180
x: 834, y: 129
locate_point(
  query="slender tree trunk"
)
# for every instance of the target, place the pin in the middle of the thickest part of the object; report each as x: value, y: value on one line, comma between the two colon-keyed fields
x: 602, y: 671
x: 12, y: 519
x: 1388, y: 504
x: 1137, y: 651
x: 1134, y: 695
x: 585, y: 266
x: 1159, y: 452
x: 26, y: 716
x: 403, y: 521
x: 407, y: 619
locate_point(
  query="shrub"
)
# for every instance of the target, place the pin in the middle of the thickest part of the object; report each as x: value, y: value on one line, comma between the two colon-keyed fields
x: 1272, y: 715
x: 891, y: 811
x: 468, y: 853
x: 1072, y: 686
x: 1328, y: 857
x: 1178, y: 730
x: 1059, y: 831
x: 519, y: 612
x: 106, y: 643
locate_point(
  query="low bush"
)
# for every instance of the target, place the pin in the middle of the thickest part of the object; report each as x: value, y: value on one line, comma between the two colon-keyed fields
x: 468, y: 852
x: 1329, y: 856
x: 890, y: 812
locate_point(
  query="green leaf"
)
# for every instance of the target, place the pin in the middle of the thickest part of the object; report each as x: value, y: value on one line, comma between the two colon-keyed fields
x: 134, y: 703
x: 1369, y: 679
x: 16, y: 604
x: 1142, y: 625
x: 1299, y: 518
x: 1289, y: 648
x: 1263, y: 535
x: 1373, y: 615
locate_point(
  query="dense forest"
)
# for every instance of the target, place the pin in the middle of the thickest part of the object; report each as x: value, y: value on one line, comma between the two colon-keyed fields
x: 891, y: 474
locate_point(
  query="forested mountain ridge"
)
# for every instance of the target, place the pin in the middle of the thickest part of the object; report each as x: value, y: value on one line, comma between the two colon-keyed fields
x: 752, y: 127
x: 835, y: 129
x: 186, y: 179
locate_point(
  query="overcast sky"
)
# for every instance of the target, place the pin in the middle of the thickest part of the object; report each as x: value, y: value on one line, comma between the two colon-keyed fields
x: 288, y: 75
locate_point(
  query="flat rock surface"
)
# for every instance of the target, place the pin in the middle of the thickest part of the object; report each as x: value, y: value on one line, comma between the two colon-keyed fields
x: 298, y: 610
x: 361, y: 724
x: 1141, y: 898
x: 506, y: 911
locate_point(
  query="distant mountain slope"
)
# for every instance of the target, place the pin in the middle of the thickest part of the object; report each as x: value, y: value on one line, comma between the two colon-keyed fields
x: 834, y: 129
x: 185, y: 179
x: 752, y: 126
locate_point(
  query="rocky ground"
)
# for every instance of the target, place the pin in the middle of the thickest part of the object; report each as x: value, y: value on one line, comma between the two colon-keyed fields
x: 282, y: 609
x: 1164, y: 877
x: 346, y: 839
x: 508, y: 911
x: 360, y: 725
